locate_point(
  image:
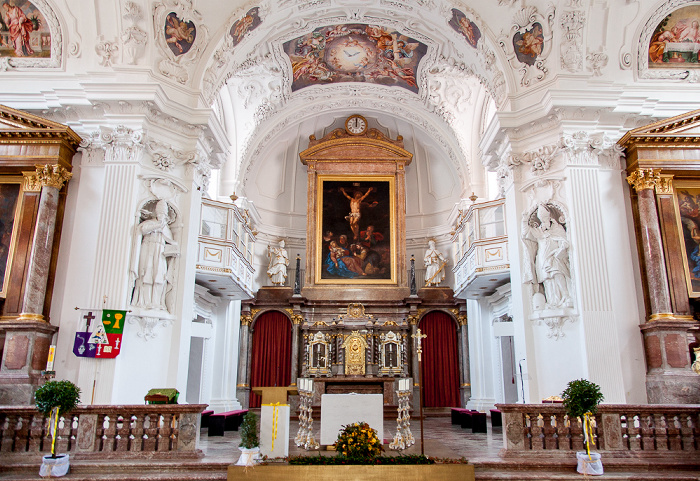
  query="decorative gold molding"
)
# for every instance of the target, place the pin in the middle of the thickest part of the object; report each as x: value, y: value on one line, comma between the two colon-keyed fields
x: 462, y: 319
x: 52, y: 176
x: 31, y: 182
x: 466, y: 384
x: 413, y: 320
x: 669, y: 316
x: 297, y: 319
x: 242, y: 385
x: 356, y: 311
x: 254, y: 312
x: 30, y: 316
x: 641, y: 179
x: 246, y: 319
x: 665, y: 185
x: 289, y: 311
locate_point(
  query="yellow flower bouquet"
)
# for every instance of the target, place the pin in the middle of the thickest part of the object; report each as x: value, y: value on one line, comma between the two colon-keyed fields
x: 358, y: 440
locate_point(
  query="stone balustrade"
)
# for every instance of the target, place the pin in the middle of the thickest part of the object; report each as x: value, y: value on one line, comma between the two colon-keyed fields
x: 618, y: 428
x: 161, y: 430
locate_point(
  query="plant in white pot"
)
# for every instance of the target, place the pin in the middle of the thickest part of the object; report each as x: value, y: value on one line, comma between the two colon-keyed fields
x: 250, y: 443
x: 581, y: 399
x: 55, y: 399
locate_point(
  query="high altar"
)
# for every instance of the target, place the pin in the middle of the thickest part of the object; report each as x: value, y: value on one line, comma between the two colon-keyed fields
x: 352, y: 320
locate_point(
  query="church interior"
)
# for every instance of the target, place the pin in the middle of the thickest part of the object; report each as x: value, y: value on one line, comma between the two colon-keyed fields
x: 476, y: 201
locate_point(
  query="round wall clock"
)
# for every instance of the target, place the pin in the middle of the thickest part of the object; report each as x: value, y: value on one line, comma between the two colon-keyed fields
x: 356, y: 125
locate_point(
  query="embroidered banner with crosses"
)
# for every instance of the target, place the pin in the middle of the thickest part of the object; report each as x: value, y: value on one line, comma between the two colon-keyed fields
x: 102, y: 337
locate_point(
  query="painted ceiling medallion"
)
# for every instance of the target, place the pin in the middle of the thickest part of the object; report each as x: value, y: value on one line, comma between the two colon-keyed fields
x: 462, y: 25
x: 179, y: 35
x: 249, y: 22
x: 355, y: 53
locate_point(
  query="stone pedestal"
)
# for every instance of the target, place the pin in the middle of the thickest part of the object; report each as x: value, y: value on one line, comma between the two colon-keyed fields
x: 669, y: 378
x: 26, y: 348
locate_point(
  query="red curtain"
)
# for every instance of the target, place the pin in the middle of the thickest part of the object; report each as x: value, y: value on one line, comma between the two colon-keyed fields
x: 271, y: 356
x: 440, y: 373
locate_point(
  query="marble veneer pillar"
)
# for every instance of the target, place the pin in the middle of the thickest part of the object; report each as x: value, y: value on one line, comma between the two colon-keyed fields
x: 465, y: 386
x: 669, y: 378
x: 28, y: 337
x: 243, y: 386
x: 297, y: 319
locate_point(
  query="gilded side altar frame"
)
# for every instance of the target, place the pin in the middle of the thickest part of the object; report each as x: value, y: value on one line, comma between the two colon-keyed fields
x: 13, y: 229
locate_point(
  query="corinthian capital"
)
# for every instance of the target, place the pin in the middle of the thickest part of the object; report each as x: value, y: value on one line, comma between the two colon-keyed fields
x: 46, y: 175
x: 641, y: 179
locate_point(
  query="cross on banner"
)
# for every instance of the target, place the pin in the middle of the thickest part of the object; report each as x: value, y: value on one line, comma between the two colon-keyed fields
x: 104, y: 338
x: 418, y: 337
x: 89, y: 317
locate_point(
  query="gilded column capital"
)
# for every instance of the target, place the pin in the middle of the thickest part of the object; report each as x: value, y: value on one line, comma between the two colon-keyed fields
x: 297, y: 319
x: 462, y: 319
x: 246, y: 319
x: 641, y: 179
x: 665, y: 185
x: 46, y: 175
x: 413, y: 320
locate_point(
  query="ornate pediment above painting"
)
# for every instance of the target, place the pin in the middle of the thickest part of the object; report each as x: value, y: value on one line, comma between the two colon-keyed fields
x: 663, y: 167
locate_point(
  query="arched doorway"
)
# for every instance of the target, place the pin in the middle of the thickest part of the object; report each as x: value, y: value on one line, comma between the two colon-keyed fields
x: 440, y: 373
x: 271, y: 353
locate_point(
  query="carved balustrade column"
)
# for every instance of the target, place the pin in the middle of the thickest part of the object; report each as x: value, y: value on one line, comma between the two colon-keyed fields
x: 243, y: 385
x: 644, y: 181
x: 48, y: 179
x: 465, y: 374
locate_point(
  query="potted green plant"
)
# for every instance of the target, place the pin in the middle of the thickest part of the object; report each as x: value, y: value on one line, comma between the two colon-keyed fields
x: 53, y: 399
x: 250, y: 443
x: 581, y: 399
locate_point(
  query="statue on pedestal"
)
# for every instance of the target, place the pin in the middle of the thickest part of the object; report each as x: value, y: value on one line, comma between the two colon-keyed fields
x: 434, y: 265
x: 279, y: 260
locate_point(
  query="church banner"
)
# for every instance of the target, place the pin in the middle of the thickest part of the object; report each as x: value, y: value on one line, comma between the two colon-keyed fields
x: 102, y: 336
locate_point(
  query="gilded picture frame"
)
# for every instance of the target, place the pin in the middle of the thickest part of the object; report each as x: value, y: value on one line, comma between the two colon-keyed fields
x: 355, y: 230
x: 687, y: 205
x: 11, y: 190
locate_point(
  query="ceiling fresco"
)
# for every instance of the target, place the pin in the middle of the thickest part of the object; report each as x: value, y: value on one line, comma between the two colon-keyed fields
x: 676, y: 40
x: 355, y: 53
x: 249, y: 22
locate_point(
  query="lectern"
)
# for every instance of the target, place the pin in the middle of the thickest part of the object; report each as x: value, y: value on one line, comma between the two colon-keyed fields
x: 274, y: 420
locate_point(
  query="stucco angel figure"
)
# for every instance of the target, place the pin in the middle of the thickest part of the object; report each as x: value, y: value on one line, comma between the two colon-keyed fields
x: 434, y: 265
x: 153, y: 262
x: 547, y: 261
x: 279, y: 260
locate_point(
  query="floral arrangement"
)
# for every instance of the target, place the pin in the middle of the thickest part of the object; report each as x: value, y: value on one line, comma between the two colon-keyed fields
x: 379, y: 460
x: 358, y: 440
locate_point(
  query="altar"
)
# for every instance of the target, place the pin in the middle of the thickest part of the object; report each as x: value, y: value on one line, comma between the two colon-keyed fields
x: 338, y: 410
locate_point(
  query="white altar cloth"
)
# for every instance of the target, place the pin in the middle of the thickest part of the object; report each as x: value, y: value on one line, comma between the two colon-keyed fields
x: 338, y: 410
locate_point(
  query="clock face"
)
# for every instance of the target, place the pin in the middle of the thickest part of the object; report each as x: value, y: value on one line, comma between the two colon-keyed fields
x: 356, y: 125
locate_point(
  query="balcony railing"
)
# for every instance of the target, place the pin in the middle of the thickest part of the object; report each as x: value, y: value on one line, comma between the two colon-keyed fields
x: 226, y: 247
x: 481, y: 250
x: 161, y: 430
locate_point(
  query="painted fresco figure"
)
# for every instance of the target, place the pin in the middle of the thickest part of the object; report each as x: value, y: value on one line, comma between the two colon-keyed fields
x: 548, y: 264
x: 20, y: 27
x: 152, y: 265
x: 279, y: 261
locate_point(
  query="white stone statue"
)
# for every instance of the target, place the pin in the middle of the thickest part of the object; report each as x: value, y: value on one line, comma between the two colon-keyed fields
x: 547, y: 263
x: 155, y: 251
x: 696, y: 363
x: 434, y: 265
x: 279, y: 260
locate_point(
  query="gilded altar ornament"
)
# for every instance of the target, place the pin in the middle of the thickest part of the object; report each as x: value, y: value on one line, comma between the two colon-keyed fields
x: 355, y: 346
x: 390, y: 354
x: 641, y: 179
x: 318, y: 350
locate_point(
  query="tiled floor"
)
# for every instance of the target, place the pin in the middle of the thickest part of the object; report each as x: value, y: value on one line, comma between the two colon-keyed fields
x: 441, y: 439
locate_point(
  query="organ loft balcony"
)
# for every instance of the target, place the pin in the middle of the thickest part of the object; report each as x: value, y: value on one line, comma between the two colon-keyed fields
x: 480, y: 249
x: 225, y: 251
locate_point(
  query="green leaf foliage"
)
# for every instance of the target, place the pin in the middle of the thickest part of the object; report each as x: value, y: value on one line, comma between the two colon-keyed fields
x: 249, y: 431
x: 580, y: 397
x: 378, y: 460
x: 62, y: 394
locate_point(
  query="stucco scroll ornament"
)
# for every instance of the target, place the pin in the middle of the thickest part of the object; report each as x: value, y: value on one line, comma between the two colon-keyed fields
x: 134, y: 38
x: 546, y: 267
x: 539, y: 160
x: 528, y: 43
x: 148, y: 325
x: 571, y: 49
x: 181, y: 37
x: 583, y: 148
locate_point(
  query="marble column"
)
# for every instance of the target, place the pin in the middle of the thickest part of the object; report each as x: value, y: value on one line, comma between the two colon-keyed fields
x: 669, y: 378
x: 413, y: 322
x: 50, y: 179
x: 465, y: 375
x: 243, y: 386
x: 297, y: 319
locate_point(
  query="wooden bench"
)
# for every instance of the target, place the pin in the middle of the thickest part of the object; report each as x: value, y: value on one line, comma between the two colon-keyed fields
x: 496, y: 418
x: 205, y: 418
x: 228, y: 421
